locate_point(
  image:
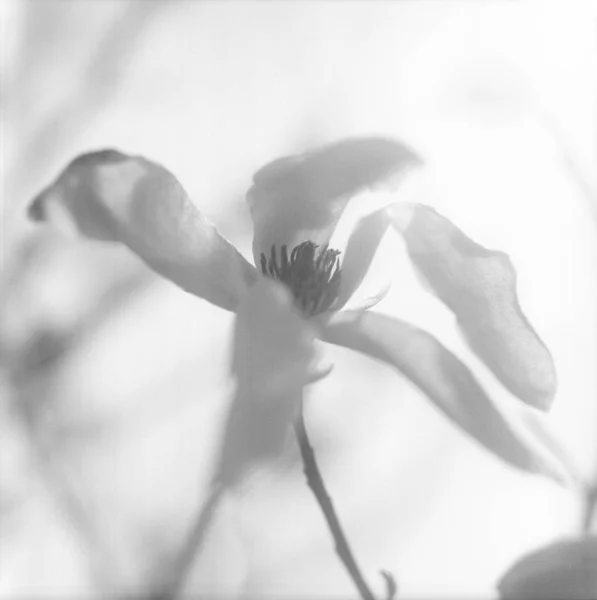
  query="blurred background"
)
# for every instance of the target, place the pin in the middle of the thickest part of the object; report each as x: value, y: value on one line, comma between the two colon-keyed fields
x: 114, y: 383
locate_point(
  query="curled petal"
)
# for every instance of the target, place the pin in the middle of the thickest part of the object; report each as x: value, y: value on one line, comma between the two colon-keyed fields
x: 110, y: 196
x: 447, y: 382
x: 273, y: 360
x: 361, y: 248
x: 566, y: 570
x: 479, y: 286
x: 300, y: 198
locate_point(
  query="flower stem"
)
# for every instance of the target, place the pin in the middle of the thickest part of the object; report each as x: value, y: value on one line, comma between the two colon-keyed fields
x: 315, y: 482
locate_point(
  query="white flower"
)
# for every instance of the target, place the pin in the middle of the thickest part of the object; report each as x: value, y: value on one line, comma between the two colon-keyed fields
x: 296, y: 203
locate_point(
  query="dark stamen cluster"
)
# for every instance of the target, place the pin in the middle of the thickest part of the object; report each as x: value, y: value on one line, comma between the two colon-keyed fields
x: 312, y: 275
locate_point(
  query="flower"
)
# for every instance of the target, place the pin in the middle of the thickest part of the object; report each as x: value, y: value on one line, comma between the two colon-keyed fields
x: 296, y: 203
x: 311, y: 273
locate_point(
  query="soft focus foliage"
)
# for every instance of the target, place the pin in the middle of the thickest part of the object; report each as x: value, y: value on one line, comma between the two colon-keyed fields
x: 564, y: 570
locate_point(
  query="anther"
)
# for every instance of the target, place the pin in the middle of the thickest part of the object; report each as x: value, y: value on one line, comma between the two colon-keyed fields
x: 311, y: 272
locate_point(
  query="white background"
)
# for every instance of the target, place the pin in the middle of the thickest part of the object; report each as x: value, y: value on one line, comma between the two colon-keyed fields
x: 498, y: 97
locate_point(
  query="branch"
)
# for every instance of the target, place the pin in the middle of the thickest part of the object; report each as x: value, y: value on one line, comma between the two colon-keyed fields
x: 571, y: 162
x: 70, y: 503
x: 315, y: 482
x: 589, y: 508
x: 184, y: 562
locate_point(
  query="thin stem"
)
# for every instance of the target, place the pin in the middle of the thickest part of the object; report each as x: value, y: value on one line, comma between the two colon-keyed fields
x: 579, y: 174
x: 589, y: 508
x: 315, y: 482
x: 196, y: 536
x: 589, y: 192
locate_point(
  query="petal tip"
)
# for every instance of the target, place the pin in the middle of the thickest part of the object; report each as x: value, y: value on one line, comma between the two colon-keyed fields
x: 543, y: 400
x: 95, y: 157
x: 401, y: 215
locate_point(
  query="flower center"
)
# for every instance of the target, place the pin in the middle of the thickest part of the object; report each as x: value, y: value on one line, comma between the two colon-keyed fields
x: 312, y: 273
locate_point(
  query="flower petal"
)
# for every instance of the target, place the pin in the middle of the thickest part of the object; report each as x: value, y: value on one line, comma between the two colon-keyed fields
x: 110, y: 196
x: 361, y: 248
x: 566, y: 570
x: 479, y: 286
x: 300, y: 198
x: 447, y: 382
x: 273, y: 359
x: 537, y: 422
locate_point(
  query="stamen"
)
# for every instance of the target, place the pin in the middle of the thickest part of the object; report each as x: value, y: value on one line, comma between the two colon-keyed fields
x: 313, y: 276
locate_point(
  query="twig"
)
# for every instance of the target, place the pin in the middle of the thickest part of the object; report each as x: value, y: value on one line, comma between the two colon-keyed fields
x: 70, y: 503
x: 588, y: 189
x: 589, y: 508
x: 579, y: 175
x: 315, y: 482
x: 184, y: 562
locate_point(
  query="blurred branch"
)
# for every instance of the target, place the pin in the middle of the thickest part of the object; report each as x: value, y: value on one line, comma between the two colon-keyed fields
x: 588, y: 189
x: 193, y: 543
x: 589, y: 508
x: 46, y: 349
x: 94, y: 87
x: 575, y: 169
x: 102, y: 566
x: 315, y: 482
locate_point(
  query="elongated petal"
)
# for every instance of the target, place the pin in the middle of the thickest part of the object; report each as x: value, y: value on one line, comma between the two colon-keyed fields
x: 300, y: 198
x: 446, y: 381
x: 538, y: 424
x: 565, y: 570
x: 110, y: 196
x: 362, y: 246
x: 273, y: 354
x: 479, y: 286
